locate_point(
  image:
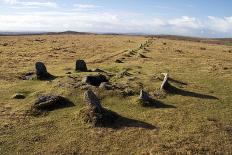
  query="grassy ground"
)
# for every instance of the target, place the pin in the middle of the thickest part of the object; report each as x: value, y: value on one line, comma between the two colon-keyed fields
x: 191, y: 122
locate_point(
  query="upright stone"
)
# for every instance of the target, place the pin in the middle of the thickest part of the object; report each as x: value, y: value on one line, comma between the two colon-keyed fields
x: 165, y: 84
x: 41, y: 70
x: 81, y: 66
x: 92, y: 100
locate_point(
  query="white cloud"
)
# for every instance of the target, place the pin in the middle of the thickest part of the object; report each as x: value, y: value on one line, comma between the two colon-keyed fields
x: 26, y: 3
x: 220, y: 24
x: 85, y: 6
x: 99, y: 21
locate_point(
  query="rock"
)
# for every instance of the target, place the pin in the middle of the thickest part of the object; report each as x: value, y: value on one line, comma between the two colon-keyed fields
x: 141, y: 55
x: 27, y: 76
x: 81, y: 66
x: 123, y: 74
x: 144, y: 96
x: 92, y: 100
x: 41, y: 70
x: 51, y: 102
x: 118, y: 61
x: 18, y: 96
x: 95, y: 80
x: 165, y: 84
x: 127, y: 92
x: 105, y: 85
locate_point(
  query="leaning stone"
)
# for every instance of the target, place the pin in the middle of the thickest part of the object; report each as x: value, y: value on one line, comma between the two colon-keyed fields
x: 92, y: 100
x: 95, y: 80
x: 18, y: 96
x: 41, y: 70
x: 81, y: 66
x: 165, y: 84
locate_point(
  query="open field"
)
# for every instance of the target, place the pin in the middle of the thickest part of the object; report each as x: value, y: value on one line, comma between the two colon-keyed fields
x: 198, y: 120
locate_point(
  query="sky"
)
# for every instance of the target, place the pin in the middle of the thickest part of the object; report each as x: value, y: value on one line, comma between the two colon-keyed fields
x: 203, y: 18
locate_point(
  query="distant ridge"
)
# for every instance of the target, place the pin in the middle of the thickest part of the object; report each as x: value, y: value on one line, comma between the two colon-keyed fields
x: 219, y: 41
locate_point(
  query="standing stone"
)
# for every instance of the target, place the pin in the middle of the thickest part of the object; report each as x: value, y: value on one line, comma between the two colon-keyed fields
x: 165, y: 84
x: 144, y: 96
x: 92, y: 100
x: 81, y: 66
x: 41, y: 70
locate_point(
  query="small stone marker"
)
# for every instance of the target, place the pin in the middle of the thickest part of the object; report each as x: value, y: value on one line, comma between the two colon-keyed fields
x: 81, y: 66
x: 92, y: 100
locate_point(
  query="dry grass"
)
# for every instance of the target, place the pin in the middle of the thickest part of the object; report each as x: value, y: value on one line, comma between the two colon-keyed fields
x: 190, y: 121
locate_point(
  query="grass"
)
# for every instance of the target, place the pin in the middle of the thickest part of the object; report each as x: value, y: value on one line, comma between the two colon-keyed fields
x: 189, y: 125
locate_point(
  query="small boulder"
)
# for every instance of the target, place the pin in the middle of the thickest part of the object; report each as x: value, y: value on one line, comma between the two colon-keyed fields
x: 118, y: 61
x: 95, y: 80
x: 81, y: 66
x: 18, y: 96
x: 51, y: 102
x: 105, y: 86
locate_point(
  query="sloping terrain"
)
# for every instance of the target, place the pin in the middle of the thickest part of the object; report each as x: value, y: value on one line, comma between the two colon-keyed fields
x: 196, y: 119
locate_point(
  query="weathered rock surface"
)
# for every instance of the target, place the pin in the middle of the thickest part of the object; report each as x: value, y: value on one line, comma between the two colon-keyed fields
x: 95, y: 80
x: 92, y: 100
x: 51, y: 102
x: 105, y: 85
x: 165, y: 84
x: 81, y: 66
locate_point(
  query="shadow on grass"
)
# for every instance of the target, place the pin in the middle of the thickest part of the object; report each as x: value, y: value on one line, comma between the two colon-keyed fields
x: 123, y: 122
x: 48, y: 77
x: 153, y: 103
x: 158, y: 104
x: 176, y: 91
x: 177, y: 81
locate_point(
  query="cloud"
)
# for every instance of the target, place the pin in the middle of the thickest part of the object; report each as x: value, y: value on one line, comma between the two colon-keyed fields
x: 101, y: 21
x: 220, y: 24
x: 85, y: 6
x: 24, y: 4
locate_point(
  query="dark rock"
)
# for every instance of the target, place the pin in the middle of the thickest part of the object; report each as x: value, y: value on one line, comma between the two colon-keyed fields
x: 118, y: 61
x: 51, y: 102
x: 95, y: 80
x: 92, y: 100
x: 144, y: 96
x: 18, y: 96
x: 41, y: 71
x: 81, y: 66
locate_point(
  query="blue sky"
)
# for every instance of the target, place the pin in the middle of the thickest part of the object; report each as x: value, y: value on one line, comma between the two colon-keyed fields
x: 208, y: 18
